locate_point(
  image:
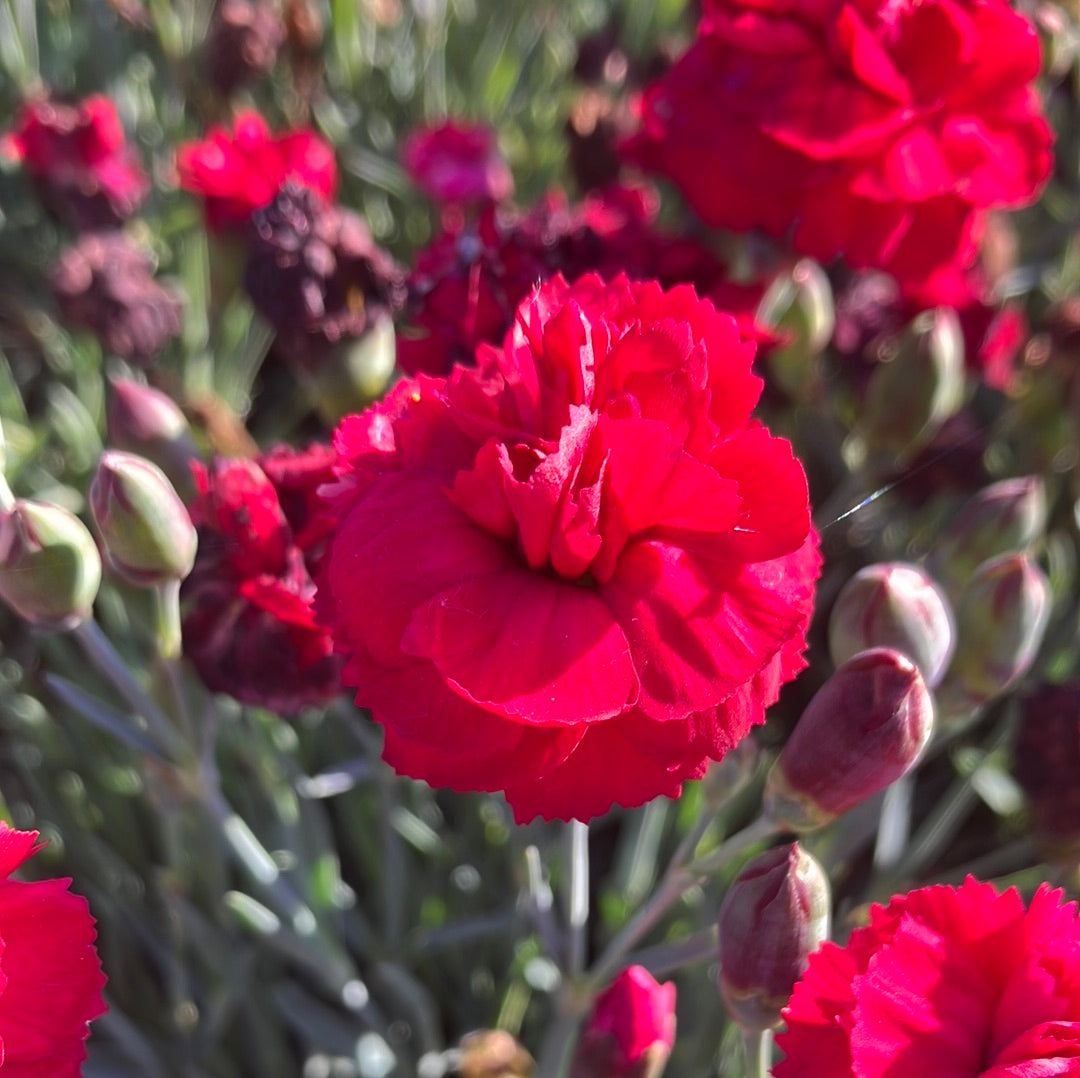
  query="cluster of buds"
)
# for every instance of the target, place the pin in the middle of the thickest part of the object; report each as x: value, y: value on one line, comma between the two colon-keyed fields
x: 104, y: 284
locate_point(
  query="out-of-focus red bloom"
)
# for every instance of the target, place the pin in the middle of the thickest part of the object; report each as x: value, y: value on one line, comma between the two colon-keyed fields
x: 249, y: 627
x: 875, y: 130
x: 944, y: 981
x: 467, y: 284
x: 631, y: 1030
x: 457, y: 163
x: 50, y: 974
x: 580, y: 571
x: 239, y: 172
x: 81, y: 162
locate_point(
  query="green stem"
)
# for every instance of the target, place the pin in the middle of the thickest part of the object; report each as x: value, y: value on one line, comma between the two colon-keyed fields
x: 577, y: 894
x: 758, y: 1045
x: 101, y: 652
x: 676, y: 882
x: 167, y: 610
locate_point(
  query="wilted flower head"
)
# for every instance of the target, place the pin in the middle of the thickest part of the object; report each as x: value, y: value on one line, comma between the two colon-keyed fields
x: 104, y: 284
x: 775, y: 914
x: 86, y: 172
x: 242, y: 43
x: 863, y: 729
x: 1047, y: 766
x: 50, y: 975
x: 240, y: 172
x: 631, y: 1030
x: 625, y: 564
x: 249, y: 628
x: 316, y: 275
x: 957, y: 981
x: 457, y: 163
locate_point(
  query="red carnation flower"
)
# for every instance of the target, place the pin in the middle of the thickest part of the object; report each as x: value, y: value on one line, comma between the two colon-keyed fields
x: 457, y: 163
x: 875, y: 130
x: 84, y: 168
x: 944, y: 981
x: 578, y: 572
x: 50, y: 974
x: 250, y: 628
x: 631, y: 1030
x: 241, y: 172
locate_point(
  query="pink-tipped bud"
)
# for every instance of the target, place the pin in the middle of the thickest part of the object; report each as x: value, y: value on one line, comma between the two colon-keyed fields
x: 50, y: 568
x: 894, y: 605
x: 863, y: 729
x: 1003, y: 518
x: 146, y: 421
x: 1000, y: 621
x: 631, y: 1030
x: 144, y: 526
x: 774, y: 916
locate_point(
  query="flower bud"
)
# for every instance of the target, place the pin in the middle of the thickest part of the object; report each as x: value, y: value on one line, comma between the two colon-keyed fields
x: 863, y: 729
x: 1000, y: 622
x: 893, y: 605
x: 909, y: 397
x: 146, y: 421
x: 1003, y: 518
x: 774, y: 916
x: 145, y: 529
x: 50, y: 568
x: 493, y: 1053
x: 799, y: 306
x: 631, y: 1030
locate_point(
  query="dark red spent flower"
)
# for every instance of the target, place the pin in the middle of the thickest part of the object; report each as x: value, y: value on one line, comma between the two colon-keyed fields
x: 85, y: 171
x: 1047, y: 765
x: 873, y: 130
x: 957, y: 981
x: 243, y: 42
x: 316, y: 275
x: 466, y: 286
x: 631, y: 1030
x: 457, y: 163
x: 104, y: 284
x: 50, y: 974
x: 239, y: 172
x: 580, y: 571
x: 249, y: 627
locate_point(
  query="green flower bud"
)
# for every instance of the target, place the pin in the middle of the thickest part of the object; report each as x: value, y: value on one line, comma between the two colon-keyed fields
x: 909, y: 397
x: 50, y: 568
x: 774, y: 916
x: 144, y: 526
x: 893, y: 605
x: 1003, y: 518
x: 799, y: 306
x: 1000, y: 622
x: 863, y: 729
